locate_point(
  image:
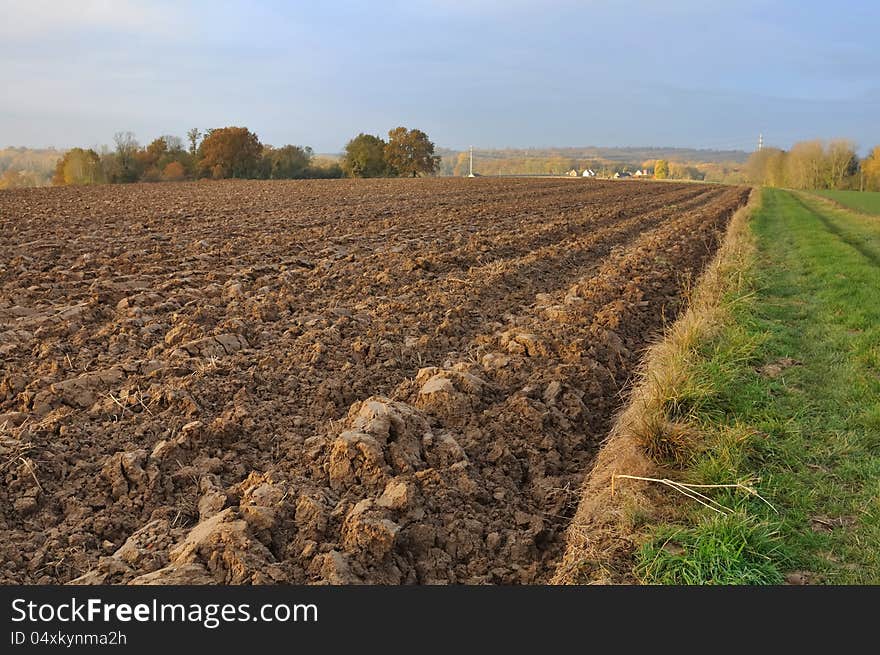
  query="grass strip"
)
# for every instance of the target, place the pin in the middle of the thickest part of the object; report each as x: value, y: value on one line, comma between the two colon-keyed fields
x: 785, y: 395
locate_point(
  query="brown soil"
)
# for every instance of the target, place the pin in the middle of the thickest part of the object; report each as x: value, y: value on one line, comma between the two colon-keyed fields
x: 391, y: 381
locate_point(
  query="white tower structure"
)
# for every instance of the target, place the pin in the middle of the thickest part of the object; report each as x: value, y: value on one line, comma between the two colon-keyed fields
x: 471, y: 166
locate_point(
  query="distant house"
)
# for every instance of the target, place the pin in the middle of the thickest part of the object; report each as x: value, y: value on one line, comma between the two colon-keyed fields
x: 622, y: 174
x: 572, y: 173
x: 644, y: 172
x: 589, y: 173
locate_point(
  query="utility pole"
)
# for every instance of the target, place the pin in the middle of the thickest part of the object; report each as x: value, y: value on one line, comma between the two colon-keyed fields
x: 760, y: 142
x: 471, y: 168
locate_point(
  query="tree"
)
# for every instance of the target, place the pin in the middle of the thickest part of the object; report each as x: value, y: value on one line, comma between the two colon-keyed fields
x: 805, y: 164
x: 193, y: 136
x: 156, y: 149
x: 288, y: 162
x: 127, y: 169
x: 808, y: 165
x: 365, y: 157
x: 173, y: 172
x: 774, y: 169
x: 149, y: 159
x: 841, y: 163
x: 12, y: 179
x: 410, y: 152
x: 78, y: 166
x: 758, y: 166
x: 230, y: 152
x: 871, y: 170
x: 661, y: 169
x: 153, y: 159
x: 324, y: 168
x: 557, y: 165
x: 684, y: 172
x: 108, y: 164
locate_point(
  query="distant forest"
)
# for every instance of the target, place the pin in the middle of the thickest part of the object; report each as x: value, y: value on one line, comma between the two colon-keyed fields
x: 619, y: 155
x: 26, y: 167
x: 685, y: 163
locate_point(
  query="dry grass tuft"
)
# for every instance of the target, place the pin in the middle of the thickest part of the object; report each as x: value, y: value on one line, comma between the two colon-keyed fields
x: 666, y: 442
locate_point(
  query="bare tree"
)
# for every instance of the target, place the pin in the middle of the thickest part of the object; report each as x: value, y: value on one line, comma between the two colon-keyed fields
x: 126, y: 149
x: 804, y: 165
x: 767, y: 167
x: 193, y: 136
x: 841, y: 162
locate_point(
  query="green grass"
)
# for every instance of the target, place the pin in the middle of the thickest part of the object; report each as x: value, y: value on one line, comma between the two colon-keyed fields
x: 862, y: 201
x: 732, y: 549
x: 787, y: 397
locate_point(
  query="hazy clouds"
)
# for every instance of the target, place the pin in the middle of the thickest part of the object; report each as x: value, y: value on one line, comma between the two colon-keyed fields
x: 486, y: 72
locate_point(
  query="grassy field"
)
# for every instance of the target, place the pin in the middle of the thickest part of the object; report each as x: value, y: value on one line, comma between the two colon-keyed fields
x: 785, y: 398
x: 867, y: 202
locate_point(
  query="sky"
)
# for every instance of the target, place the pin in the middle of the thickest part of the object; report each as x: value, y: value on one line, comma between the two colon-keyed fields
x: 488, y: 73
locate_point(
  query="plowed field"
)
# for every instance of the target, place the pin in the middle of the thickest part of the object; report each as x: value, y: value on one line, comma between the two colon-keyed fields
x: 390, y: 381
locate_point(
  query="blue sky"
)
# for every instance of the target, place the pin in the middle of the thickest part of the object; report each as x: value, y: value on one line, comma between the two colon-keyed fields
x: 491, y: 73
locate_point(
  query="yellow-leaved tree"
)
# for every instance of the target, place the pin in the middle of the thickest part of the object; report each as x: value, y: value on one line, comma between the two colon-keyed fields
x: 78, y: 166
x: 661, y: 169
x: 871, y: 170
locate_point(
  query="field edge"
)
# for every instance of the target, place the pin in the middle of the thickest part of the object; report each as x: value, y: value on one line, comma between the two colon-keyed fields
x: 868, y: 205
x: 608, y: 526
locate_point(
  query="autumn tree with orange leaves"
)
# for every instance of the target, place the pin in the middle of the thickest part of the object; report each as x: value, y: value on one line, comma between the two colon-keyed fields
x: 230, y: 152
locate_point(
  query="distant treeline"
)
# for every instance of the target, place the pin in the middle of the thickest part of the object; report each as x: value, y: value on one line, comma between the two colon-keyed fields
x: 226, y: 152
x: 25, y: 167
x: 684, y: 163
x: 816, y: 165
x: 616, y: 155
x: 236, y: 152
x: 490, y: 163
